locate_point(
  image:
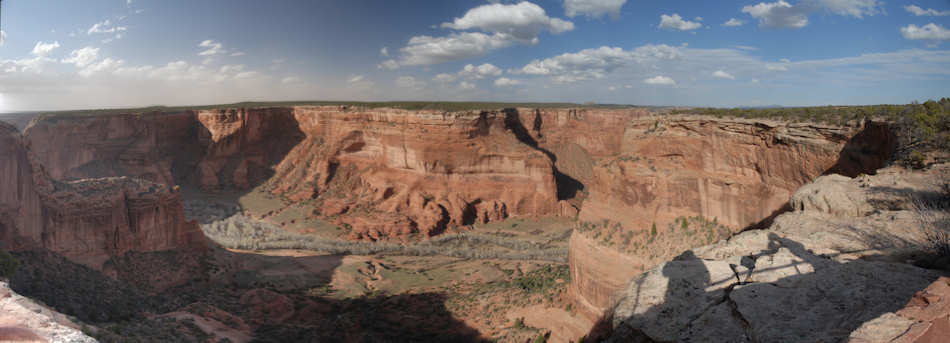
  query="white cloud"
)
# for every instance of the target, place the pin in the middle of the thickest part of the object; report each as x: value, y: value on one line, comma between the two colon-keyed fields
x: 354, y: 79
x: 506, y: 82
x: 593, y: 8
x: 105, y: 27
x: 660, y: 80
x: 723, y: 75
x: 229, y: 69
x: 776, y: 67
x: 425, y: 50
x: 916, y: 10
x: 42, y: 49
x: 290, y: 79
x: 444, y: 77
x: 675, y: 22
x: 465, y: 85
x: 3, y: 37
x: 104, y: 65
x: 237, y: 53
x: 930, y: 32
x: 781, y: 14
x: 409, y: 83
x: 246, y: 75
x: 523, y: 21
x: 479, y: 72
x: 733, y: 22
x: 778, y: 14
x: 384, y: 51
x: 213, y: 48
x: 82, y: 57
x: 596, y: 63
x: 612, y: 88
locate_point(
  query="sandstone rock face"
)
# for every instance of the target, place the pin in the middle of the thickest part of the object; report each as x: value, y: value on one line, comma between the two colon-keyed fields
x: 89, y: 220
x: 736, y: 173
x: 402, y: 173
x: 817, y: 274
x: 23, y: 320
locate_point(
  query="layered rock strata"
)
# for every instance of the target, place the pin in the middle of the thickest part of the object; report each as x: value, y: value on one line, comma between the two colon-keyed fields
x: 832, y: 269
x: 90, y: 220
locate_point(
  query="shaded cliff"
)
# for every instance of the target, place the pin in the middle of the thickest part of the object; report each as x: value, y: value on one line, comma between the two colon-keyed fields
x: 90, y: 220
x: 681, y: 182
x: 385, y: 173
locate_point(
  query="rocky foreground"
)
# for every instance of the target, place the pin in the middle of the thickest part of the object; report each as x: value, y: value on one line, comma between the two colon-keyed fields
x: 837, y: 268
x: 23, y: 320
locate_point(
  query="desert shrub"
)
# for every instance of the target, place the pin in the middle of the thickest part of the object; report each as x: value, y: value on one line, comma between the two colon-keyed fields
x: 933, y: 215
x: 8, y: 264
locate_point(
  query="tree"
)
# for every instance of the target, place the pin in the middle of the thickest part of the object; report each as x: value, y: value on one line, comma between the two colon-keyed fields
x: 653, y: 230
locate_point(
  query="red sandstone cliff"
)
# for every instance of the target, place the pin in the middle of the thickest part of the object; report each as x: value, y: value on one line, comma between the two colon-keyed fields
x: 88, y: 221
x: 387, y: 173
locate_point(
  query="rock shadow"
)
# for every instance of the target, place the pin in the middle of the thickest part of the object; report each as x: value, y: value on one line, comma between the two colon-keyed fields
x: 782, y: 293
x: 864, y: 153
x: 568, y: 187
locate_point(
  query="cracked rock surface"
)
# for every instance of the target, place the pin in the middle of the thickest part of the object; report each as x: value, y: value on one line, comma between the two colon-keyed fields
x: 814, y: 276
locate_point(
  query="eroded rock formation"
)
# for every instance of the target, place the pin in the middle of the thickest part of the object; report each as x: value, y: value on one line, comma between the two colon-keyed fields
x: 89, y: 220
x: 816, y: 274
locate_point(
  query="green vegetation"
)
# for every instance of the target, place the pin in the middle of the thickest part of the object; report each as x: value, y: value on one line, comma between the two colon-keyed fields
x: 8, y: 264
x: 920, y: 127
x: 544, y: 278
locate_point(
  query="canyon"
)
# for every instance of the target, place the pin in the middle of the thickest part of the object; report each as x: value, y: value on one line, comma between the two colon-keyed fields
x: 640, y: 186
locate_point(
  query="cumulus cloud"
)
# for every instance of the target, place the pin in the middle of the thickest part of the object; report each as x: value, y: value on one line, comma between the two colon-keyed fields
x: 290, y: 79
x: 675, y: 22
x: 503, y: 26
x: 42, y: 49
x: 506, y: 82
x: 778, y: 14
x: 425, y: 50
x: 781, y: 14
x: 384, y: 51
x: 3, y: 37
x: 355, y: 78
x: 107, y: 64
x: 212, y: 48
x: 522, y: 21
x: 465, y: 85
x: 723, y: 75
x: 660, y: 80
x: 593, y: 8
x: 930, y: 32
x: 479, y: 72
x: 596, y: 63
x: 733, y: 22
x: 82, y: 57
x: 917, y: 11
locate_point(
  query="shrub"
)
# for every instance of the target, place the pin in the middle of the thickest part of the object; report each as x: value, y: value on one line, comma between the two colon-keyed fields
x: 933, y: 216
x: 8, y: 264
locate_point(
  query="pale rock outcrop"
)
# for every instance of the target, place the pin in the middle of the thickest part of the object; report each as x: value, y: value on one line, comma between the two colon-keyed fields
x: 813, y: 276
x: 23, y: 320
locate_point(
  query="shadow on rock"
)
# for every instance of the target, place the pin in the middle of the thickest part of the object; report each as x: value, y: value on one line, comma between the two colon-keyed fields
x: 776, y: 292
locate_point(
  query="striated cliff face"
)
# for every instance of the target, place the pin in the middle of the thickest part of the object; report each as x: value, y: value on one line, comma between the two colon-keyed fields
x: 834, y: 269
x: 395, y: 174
x: 88, y: 221
x: 386, y: 173
x: 727, y: 174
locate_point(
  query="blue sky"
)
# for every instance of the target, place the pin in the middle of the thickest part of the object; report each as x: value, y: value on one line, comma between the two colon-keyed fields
x: 120, y: 53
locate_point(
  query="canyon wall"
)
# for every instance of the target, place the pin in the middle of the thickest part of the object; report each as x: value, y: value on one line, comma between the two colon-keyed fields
x: 396, y: 174
x: 724, y: 174
x: 386, y: 173
x: 88, y: 221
